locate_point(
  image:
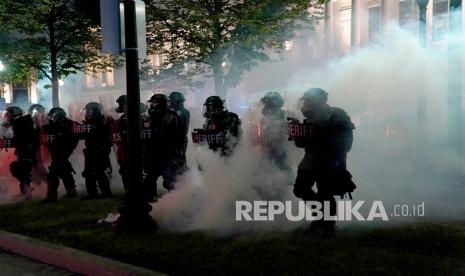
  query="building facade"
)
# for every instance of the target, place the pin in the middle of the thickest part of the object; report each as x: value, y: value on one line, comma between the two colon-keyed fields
x: 348, y: 25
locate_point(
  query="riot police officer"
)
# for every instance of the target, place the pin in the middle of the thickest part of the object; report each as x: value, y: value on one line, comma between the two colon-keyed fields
x: 26, y: 143
x: 163, y: 147
x: 40, y: 119
x: 61, y: 142
x: 218, y: 120
x: 38, y: 113
x: 177, y: 104
x: 96, y: 154
x: 326, y: 150
x: 120, y: 136
x: 273, y: 131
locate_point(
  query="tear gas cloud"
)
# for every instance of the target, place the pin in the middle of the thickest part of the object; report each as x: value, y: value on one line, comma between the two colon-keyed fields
x: 378, y: 86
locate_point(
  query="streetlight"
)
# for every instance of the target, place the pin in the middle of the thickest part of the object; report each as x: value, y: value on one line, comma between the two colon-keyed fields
x: 2, y: 67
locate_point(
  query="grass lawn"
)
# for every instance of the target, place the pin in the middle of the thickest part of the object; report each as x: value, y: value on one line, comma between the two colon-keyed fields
x: 426, y: 248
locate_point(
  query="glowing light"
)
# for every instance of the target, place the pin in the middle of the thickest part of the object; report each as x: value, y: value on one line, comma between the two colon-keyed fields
x: 6, y: 93
x: 2, y: 67
x: 223, y: 64
x: 34, y: 94
x: 288, y: 45
x: 61, y: 82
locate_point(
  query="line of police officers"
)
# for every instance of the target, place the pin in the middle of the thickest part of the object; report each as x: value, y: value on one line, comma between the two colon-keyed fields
x: 165, y: 139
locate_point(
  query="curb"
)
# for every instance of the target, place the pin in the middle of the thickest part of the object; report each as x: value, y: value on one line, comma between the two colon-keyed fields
x: 67, y: 258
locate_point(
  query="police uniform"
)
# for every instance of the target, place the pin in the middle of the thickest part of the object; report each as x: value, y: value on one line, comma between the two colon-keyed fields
x: 26, y: 142
x: 324, y: 163
x: 163, y: 147
x: 61, y: 142
x: 98, y: 144
x: 273, y: 138
x: 228, y: 125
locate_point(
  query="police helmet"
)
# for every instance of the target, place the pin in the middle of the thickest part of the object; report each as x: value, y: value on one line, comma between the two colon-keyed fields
x: 57, y: 114
x: 160, y: 99
x: 36, y: 108
x: 93, y: 110
x: 177, y: 97
x: 315, y: 94
x: 121, y: 101
x: 272, y: 99
x: 214, y: 101
x: 14, y: 111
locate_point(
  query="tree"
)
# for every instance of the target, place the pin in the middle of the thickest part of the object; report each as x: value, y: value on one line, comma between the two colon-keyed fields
x: 225, y: 38
x: 54, y: 37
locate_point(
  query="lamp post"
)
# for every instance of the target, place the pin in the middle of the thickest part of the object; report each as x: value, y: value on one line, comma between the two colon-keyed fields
x: 135, y: 208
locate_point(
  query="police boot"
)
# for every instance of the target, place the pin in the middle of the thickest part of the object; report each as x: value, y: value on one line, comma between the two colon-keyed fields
x: 71, y: 194
x: 48, y: 200
x: 70, y: 188
x: 25, y: 190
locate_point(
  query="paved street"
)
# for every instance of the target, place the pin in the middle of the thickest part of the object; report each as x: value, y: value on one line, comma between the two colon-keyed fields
x: 15, y: 265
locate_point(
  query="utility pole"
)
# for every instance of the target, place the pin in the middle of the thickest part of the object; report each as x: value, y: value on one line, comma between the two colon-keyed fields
x: 455, y: 74
x: 135, y: 208
x: 421, y: 98
x: 354, y: 24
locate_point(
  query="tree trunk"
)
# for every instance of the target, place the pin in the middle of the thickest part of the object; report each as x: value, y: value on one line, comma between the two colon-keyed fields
x: 55, y: 78
x: 55, y: 90
x: 53, y: 61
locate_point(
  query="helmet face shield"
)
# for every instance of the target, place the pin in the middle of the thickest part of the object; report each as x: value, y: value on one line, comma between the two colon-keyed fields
x: 11, y: 114
x: 122, y: 104
x: 307, y: 106
x: 213, y: 105
x: 158, y: 102
x: 121, y: 109
x: 40, y: 118
x: 176, y: 99
x: 56, y: 115
x: 92, y: 111
x: 271, y: 103
x: 210, y: 110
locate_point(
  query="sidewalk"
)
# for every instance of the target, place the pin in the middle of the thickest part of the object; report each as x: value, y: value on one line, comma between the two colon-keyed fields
x: 15, y: 265
x: 66, y: 258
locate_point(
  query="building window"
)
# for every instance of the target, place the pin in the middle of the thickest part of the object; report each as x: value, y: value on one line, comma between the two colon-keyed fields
x: 108, y: 79
x: 101, y: 79
x: 343, y: 30
x: 374, y: 22
x: 90, y: 81
x: 406, y: 12
x: 440, y: 19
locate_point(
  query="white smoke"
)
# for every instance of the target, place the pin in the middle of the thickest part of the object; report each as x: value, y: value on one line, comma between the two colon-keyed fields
x: 378, y: 86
